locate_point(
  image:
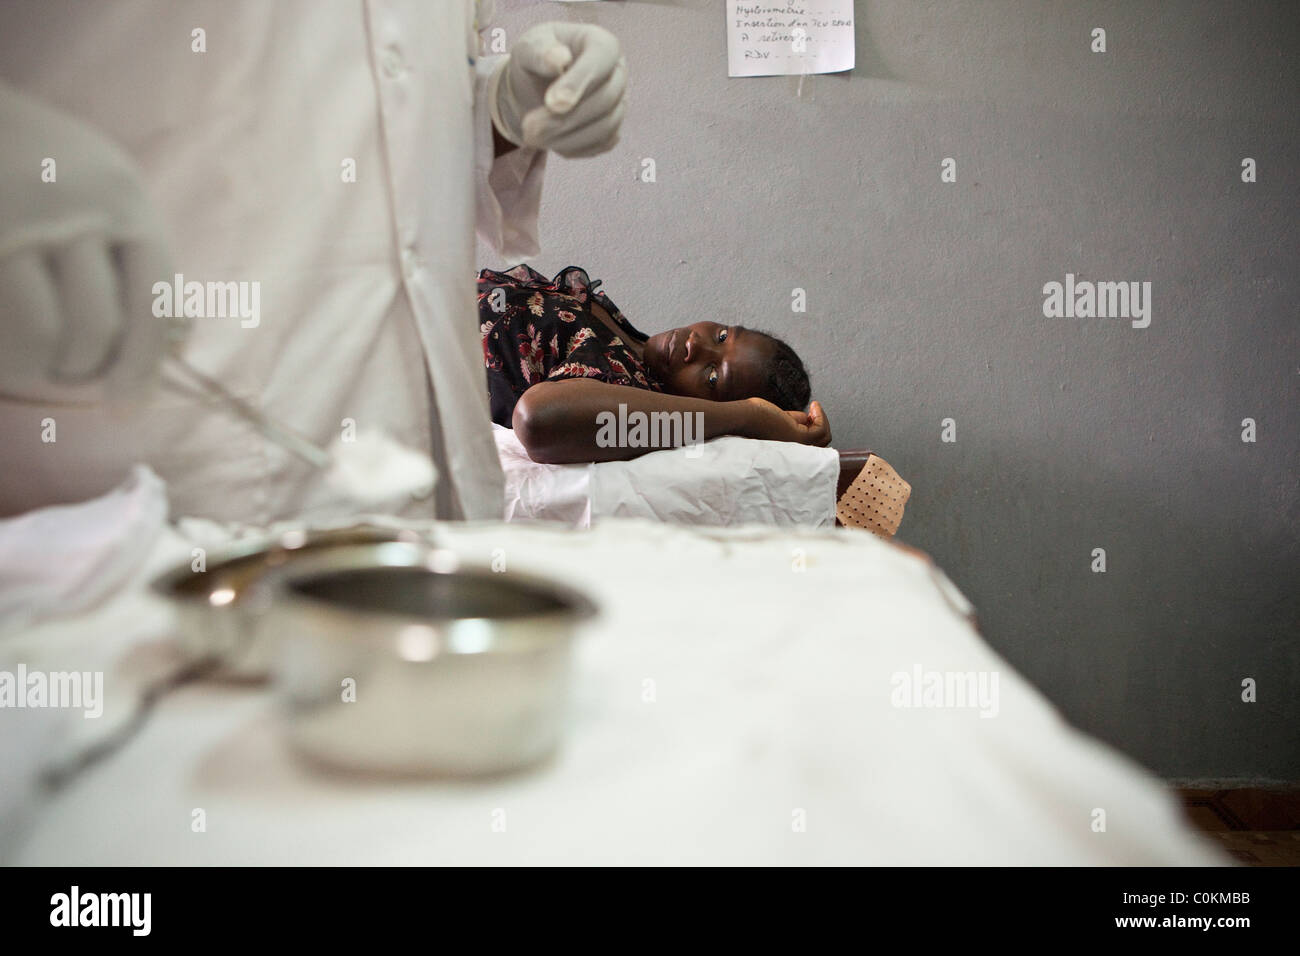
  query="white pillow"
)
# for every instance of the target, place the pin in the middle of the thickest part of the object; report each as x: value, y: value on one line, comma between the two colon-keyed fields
x: 730, y: 481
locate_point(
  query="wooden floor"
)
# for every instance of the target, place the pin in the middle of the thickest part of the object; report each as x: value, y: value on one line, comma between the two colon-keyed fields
x: 1257, y: 827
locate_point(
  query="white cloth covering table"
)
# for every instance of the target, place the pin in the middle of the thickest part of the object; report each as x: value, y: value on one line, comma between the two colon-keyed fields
x: 733, y: 706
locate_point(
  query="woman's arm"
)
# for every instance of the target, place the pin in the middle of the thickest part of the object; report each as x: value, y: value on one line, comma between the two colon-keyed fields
x: 572, y: 420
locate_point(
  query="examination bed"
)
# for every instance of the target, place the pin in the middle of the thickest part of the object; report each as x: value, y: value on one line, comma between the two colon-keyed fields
x: 749, y: 695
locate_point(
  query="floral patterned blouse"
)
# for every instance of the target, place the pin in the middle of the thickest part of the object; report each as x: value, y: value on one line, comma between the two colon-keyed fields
x: 545, y: 331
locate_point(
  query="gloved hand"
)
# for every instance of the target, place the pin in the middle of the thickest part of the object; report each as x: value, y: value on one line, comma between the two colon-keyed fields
x: 563, y: 88
x: 78, y: 260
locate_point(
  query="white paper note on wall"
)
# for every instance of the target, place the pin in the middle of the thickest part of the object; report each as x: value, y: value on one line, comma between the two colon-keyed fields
x: 789, y: 37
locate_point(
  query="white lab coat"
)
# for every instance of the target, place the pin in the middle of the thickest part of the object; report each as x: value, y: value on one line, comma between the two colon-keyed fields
x: 366, y: 287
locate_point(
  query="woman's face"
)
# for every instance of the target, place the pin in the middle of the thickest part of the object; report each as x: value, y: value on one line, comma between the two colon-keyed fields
x: 723, y: 363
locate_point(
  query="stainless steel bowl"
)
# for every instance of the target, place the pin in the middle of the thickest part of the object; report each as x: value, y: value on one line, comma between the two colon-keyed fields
x: 220, y: 611
x: 394, y: 658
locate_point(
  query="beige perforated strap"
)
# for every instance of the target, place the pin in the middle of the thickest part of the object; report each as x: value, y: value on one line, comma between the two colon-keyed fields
x: 875, y: 499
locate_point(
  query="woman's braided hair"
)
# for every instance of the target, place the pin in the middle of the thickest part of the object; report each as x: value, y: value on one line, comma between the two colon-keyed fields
x: 787, y: 385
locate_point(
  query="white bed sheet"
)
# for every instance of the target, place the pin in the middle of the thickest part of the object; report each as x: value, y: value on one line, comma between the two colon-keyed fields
x: 733, y: 705
x: 727, y: 481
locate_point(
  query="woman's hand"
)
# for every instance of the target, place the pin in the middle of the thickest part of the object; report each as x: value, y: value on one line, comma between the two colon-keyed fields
x: 771, y: 422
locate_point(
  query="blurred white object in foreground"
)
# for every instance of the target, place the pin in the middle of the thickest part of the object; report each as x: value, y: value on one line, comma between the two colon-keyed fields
x: 762, y: 725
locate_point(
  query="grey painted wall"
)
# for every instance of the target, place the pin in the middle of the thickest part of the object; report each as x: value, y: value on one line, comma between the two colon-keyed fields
x: 925, y: 303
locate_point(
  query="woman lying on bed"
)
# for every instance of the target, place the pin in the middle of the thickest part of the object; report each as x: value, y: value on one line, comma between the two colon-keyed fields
x: 561, y: 359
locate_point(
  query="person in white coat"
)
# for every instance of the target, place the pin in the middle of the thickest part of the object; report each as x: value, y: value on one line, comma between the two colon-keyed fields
x: 308, y: 176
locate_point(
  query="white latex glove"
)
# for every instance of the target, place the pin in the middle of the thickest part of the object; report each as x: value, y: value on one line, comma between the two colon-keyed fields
x: 78, y: 260
x: 563, y: 88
